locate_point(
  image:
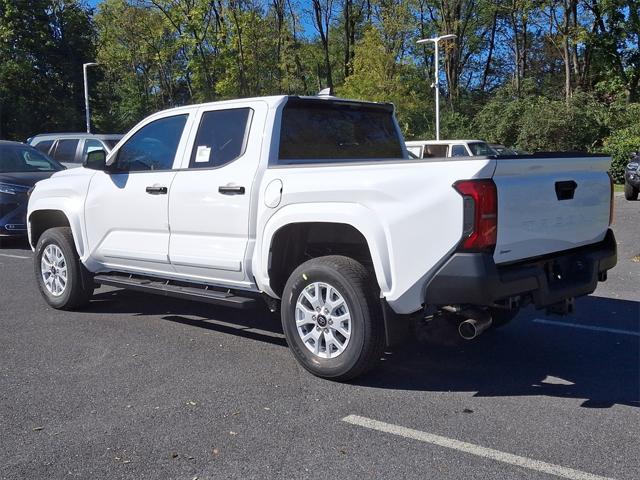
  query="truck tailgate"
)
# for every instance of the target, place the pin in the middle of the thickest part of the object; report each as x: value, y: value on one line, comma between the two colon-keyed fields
x: 548, y: 204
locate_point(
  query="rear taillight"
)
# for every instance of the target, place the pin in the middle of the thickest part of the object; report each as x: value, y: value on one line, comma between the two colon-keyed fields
x: 611, y: 201
x: 480, y: 227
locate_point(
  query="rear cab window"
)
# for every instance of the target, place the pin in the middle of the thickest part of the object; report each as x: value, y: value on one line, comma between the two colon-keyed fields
x: 326, y: 131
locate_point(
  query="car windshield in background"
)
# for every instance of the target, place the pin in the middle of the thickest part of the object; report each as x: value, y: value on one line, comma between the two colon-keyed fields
x: 20, y: 159
x: 111, y: 142
x: 326, y: 131
x: 481, y: 148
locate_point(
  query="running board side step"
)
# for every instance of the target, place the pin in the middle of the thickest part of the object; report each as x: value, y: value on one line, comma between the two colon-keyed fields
x: 168, y: 289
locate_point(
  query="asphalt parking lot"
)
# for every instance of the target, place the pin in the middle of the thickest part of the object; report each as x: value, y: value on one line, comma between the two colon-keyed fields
x: 139, y: 386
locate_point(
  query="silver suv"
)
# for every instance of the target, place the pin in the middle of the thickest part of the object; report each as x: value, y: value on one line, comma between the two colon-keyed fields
x: 71, y: 149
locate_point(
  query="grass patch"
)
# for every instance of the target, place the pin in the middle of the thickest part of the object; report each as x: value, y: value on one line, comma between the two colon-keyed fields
x: 618, y: 187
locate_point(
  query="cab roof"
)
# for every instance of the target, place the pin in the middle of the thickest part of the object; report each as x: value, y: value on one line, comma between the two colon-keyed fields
x: 415, y: 143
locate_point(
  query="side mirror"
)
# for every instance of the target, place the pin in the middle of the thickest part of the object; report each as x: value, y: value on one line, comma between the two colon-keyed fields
x: 96, y: 160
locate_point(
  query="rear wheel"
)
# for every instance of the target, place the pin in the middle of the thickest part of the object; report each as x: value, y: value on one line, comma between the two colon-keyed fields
x: 630, y: 192
x: 63, y: 281
x: 332, y: 318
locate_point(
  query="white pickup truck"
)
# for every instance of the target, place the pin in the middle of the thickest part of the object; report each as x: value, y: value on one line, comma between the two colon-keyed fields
x: 314, y: 205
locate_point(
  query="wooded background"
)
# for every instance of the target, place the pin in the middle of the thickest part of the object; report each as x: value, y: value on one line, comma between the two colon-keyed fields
x: 533, y: 74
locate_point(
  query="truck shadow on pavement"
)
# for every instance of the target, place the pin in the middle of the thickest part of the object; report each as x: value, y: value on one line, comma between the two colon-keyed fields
x: 254, y: 324
x: 522, y: 359
x: 532, y: 359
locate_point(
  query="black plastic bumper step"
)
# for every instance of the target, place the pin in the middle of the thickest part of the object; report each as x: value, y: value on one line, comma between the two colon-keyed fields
x: 169, y: 289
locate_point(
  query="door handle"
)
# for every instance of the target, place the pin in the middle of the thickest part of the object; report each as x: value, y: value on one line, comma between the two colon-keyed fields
x: 229, y: 190
x: 566, y: 190
x: 157, y: 190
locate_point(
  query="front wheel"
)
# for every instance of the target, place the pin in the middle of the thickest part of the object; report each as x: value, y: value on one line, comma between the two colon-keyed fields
x: 630, y: 192
x: 332, y: 318
x: 63, y: 280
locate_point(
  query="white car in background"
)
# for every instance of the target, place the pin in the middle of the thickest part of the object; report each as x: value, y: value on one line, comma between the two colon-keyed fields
x: 449, y: 148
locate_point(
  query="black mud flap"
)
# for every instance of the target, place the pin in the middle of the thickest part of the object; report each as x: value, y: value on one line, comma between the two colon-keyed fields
x: 396, y: 327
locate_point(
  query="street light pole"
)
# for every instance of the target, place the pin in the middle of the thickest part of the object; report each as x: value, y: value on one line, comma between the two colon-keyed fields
x: 436, y: 84
x: 86, y: 93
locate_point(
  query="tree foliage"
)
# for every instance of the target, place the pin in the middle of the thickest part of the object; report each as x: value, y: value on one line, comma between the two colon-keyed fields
x: 537, y: 75
x: 43, y: 44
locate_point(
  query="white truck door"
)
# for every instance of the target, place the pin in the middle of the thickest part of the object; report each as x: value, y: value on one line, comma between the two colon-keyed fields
x: 126, y: 209
x: 210, y: 205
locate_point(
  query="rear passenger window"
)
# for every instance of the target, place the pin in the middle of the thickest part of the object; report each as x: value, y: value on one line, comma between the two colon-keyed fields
x: 459, y: 151
x: 221, y: 138
x: 44, y: 146
x: 66, y: 150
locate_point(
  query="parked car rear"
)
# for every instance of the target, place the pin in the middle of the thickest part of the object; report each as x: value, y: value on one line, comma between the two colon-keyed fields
x: 71, y: 149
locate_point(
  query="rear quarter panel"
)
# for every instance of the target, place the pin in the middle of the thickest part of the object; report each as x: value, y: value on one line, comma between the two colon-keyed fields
x: 407, y: 210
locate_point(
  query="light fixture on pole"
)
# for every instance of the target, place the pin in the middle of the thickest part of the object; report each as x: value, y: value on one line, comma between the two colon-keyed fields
x: 86, y: 92
x: 436, y: 84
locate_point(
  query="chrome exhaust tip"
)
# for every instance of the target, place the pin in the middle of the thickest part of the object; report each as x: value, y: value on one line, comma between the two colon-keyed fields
x: 472, y: 327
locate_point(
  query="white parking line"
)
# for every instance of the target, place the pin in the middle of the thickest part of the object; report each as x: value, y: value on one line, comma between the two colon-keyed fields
x: 586, y: 327
x: 472, y: 449
x: 12, y: 256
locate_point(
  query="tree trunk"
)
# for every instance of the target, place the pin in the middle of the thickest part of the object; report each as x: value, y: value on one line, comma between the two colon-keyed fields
x: 322, y: 18
x: 487, y: 66
x: 278, y: 6
x: 566, y: 54
x: 516, y: 51
x: 347, y: 12
x: 240, y: 58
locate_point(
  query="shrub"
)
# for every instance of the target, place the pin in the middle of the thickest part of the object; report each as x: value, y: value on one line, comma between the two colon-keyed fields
x: 620, y: 145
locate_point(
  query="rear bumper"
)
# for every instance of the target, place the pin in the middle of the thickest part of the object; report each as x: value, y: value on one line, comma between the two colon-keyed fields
x: 474, y: 278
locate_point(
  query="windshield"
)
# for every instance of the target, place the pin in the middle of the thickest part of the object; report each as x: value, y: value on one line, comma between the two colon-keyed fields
x: 16, y: 158
x: 481, y: 148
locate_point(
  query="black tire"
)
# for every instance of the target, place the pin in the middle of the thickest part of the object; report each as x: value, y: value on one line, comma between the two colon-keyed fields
x: 501, y: 317
x: 359, y: 291
x: 79, y: 286
x: 630, y: 192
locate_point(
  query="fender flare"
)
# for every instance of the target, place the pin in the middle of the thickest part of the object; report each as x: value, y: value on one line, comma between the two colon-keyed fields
x: 65, y: 207
x: 358, y: 216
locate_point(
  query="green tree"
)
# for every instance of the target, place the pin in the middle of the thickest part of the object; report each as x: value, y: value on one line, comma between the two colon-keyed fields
x: 620, y: 146
x: 43, y: 44
x: 377, y: 77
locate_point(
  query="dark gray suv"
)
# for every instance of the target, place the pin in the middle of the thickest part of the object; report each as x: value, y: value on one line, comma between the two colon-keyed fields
x: 71, y: 149
x: 632, y: 177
